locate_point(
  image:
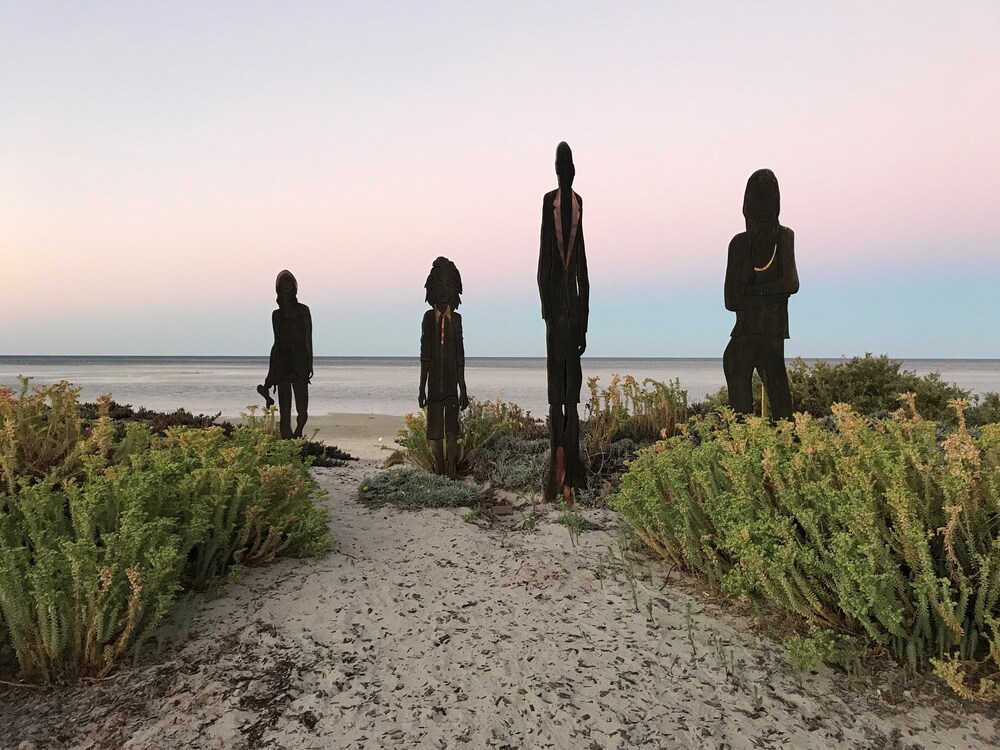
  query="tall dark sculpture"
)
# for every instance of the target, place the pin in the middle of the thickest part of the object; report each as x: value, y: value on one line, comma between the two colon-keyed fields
x: 760, y: 276
x: 442, y: 363
x: 291, y: 365
x: 564, y: 288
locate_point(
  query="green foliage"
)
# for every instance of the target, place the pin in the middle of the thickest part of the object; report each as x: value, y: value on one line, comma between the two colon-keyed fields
x: 315, y: 453
x: 514, y: 462
x: 870, y: 529
x: 156, y: 421
x: 39, y: 431
x: 481, y: 424
x: 411, y: 488
x: 871, y: 386
x: 984, y: 409
x: 266, y: 421
x: 100, y: 533
x: 503, y: 445
x: 626, y: 410
x: 320, y: 454
x: 824, y: 646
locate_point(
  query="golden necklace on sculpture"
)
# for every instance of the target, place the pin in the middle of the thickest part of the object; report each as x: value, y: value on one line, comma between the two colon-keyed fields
x: 774, y: 253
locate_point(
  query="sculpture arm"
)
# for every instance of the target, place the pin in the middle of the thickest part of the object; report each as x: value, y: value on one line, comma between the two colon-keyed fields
x: 309, y: 339
x: 426, y: 340
x: 268, y: 383
x: 791, y: 278
x: 583, y: 278
x: 463, y: 392
x: 543, y: 269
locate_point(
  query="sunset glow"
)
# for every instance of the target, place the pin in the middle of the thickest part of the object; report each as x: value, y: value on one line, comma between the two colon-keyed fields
x: 159, y: 163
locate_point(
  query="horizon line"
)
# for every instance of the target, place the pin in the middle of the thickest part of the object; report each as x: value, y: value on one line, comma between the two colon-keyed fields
x: 470, y: 356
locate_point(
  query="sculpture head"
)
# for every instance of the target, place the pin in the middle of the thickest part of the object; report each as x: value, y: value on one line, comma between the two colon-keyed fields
x: 286, y: 288
x: 761, y: 201
x: 564, y: 165
x: 443, y: 285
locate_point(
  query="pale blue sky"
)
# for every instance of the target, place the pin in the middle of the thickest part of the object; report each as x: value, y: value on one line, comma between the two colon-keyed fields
x: 159, y: 163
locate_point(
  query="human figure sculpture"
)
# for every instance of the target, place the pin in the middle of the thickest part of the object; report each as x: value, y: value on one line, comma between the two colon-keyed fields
x: 760, y: 276
x: 564, y: 288
x: 442, y: 364
x: 291, y: 364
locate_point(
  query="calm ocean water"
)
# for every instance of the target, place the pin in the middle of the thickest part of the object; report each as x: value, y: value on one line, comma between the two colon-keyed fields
x: 381, y: 385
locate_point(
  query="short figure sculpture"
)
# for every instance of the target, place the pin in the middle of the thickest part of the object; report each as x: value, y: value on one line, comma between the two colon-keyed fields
x: 442, y: 364
x: 291, y: 364
x: 564, y: 288
x: 760, y: 276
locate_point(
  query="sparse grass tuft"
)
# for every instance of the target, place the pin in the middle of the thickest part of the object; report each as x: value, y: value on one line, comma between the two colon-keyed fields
x: 410, y: 488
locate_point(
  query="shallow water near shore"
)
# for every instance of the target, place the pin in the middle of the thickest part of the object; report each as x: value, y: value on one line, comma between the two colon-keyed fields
x: 383, y: 385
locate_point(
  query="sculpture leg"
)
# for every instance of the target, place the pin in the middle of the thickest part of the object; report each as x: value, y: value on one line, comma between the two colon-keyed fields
x: 775, y: 378
x: 438, y: 447
x: 571, y: 443
x: 301, y: 391
x: 452, y: 455
x: 738, y: 365
x: 285, y: 409
x: 262, y: 390
x: 554, y: 485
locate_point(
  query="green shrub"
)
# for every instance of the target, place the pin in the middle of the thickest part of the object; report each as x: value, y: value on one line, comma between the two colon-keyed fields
x: 624, y: 410
x: 95, y: 548
x: 871, y: 386
x: 315, y: 453
x: 411, y: 488
x: 514, y: 463
x: 823, y: 646
x: 481, y: 423
x: 157, y: 421
x: 983, y: 409
x: 870, y: 530
x: 39, y: 431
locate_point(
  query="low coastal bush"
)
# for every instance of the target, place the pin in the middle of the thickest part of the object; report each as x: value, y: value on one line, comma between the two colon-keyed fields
x: 317, y: 454
x: 873, y: 531
x: 157, y: 421
x: 514, y: 463
x: 628, y: 411
x: 481, y: 424
x: 101, y: 529
x: 503, y: 445
x: 411, y: 488
x: 871, y: 386
x: 39, y: 432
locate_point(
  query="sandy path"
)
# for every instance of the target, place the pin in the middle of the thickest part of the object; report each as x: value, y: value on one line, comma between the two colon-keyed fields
x: 421, y: 631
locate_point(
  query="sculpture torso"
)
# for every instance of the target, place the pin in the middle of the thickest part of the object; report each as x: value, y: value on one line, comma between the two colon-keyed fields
x: 442, y: 348
x: 765, y: 314
x: 291, y: 346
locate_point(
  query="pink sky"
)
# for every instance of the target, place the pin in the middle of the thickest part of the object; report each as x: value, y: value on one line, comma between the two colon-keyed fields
x: 160, y: 164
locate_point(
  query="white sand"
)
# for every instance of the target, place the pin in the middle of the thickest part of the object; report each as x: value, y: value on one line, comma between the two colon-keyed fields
x: 362, y: 435
x: 421, y: 631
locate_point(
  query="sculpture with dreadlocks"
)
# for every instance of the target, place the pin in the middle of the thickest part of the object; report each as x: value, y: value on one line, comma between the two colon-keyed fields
x: 291, y: 364
x: 564, y: 288
x: 760, y: 276
x: 442, y: 363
